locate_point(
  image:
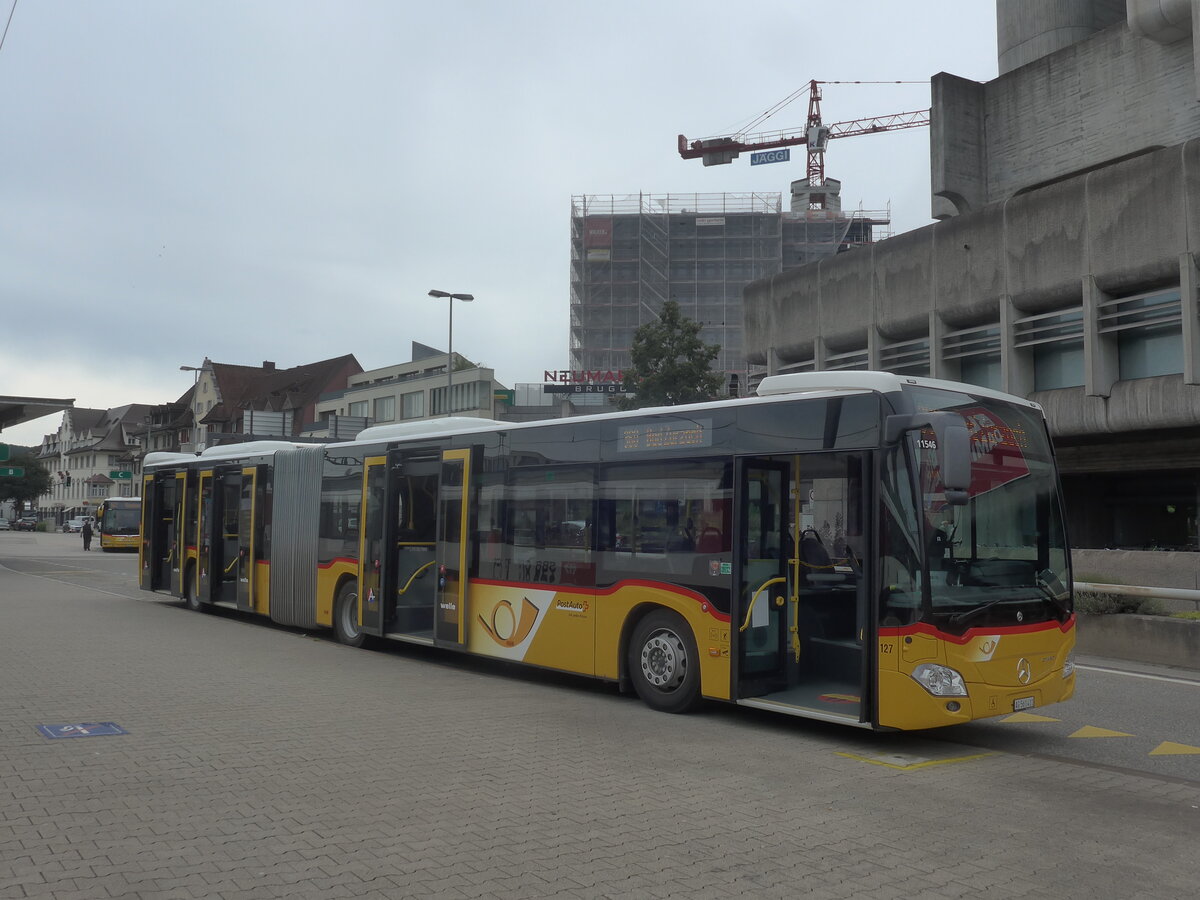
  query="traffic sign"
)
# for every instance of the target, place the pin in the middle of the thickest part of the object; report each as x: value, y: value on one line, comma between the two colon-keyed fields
x: 12, y: 472
x: 120, y: 475
x: 84, y: 729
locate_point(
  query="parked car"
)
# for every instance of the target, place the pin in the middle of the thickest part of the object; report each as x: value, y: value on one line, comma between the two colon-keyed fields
x: 5, y: 525
x: 27, y: 523
x: 76, y: 524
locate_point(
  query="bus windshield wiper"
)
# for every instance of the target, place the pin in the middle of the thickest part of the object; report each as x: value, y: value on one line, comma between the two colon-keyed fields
x: 1046, y: 582
x: 969, y: 614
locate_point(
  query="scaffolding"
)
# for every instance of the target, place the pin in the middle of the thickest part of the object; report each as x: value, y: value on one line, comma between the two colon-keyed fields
x: 632, y: 252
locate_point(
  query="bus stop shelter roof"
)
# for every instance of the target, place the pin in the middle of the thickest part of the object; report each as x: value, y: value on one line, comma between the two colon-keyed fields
x: 16, y: 410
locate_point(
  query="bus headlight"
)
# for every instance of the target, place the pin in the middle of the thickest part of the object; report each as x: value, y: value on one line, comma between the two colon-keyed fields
x: 1069, y: 665
x: 940, y: 680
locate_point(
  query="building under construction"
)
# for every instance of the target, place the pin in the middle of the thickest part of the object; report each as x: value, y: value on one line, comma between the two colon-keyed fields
x: 632, y: 252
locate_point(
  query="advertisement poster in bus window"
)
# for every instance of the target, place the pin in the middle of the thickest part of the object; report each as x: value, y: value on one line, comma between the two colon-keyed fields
x: 997, y: 455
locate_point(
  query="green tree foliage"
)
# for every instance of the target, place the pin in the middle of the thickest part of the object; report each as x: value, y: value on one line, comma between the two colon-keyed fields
x: 671, y: 365
x: 34, y: 483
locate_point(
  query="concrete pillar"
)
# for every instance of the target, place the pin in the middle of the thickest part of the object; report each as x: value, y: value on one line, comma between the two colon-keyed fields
x: 874, y: 340
x: 938, y: 367
x: 1188, y: 313
x: 1016, y: 364
x: 957, y: 145
x: 1101, y: 363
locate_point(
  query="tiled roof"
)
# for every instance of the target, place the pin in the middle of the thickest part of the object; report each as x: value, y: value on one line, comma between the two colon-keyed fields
x: 249, y: 387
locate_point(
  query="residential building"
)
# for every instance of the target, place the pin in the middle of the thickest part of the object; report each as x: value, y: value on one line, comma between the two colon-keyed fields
x: 231, y: 403
x: 94, y: 454
x: 405, y: 391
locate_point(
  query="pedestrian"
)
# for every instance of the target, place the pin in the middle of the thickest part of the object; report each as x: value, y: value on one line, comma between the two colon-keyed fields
x: 87, y: 535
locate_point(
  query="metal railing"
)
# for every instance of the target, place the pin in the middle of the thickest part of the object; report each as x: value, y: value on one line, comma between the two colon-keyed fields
x: 1129, y: 590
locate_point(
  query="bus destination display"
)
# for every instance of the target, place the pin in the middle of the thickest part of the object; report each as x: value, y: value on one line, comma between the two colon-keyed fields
x: 674, y: 435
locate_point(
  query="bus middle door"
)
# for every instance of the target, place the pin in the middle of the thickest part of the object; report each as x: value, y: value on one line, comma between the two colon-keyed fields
x: 453, y: 546
x: 249, y: 517
x: 411, y: 577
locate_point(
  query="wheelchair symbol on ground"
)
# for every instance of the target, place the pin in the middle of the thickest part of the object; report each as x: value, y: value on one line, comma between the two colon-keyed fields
x: 84, y: 729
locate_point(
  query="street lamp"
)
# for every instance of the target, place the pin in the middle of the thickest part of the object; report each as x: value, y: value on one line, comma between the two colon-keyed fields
x: 466, y: 298
x: 196, y: 369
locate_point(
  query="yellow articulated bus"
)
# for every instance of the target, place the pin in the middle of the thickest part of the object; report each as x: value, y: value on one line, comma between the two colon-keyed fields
x: 118, y: 520
x: 855, y: 547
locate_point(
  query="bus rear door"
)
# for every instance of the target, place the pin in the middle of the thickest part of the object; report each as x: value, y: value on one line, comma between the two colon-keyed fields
x: 220, y: 543
x: 179, y: 530
x: 159, y: 557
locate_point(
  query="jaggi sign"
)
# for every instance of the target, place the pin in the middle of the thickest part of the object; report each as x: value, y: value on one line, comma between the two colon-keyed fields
x: 120, y: 475
x: 770, y: 156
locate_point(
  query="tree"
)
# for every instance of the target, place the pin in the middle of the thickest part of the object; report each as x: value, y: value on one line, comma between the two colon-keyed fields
x: 30, y: 486
x: 671, y: 365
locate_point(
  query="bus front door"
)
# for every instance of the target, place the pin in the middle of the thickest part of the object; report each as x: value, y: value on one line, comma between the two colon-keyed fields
x: 801, y: 611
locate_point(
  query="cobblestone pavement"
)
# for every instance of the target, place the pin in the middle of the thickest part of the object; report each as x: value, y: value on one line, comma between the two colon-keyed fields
x: 264, y: 762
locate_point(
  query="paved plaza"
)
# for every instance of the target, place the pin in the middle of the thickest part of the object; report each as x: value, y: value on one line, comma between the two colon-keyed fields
x: 266, y: 762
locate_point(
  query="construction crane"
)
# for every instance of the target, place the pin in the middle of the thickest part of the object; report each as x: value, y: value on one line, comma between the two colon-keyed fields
x: 716, y: 151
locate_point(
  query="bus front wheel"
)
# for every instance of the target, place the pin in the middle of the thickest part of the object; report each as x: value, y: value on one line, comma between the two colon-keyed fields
x: 664, y: 664
x: 345, y: 616
x: 190, y: 598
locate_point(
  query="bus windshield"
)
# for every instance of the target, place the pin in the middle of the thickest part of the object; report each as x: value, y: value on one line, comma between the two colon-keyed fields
x: 1001, y: 558
x: 121, y: 518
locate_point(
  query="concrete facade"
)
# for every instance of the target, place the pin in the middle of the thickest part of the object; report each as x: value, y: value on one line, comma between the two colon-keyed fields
x: 1111, y: 95
x: 1063, y: 268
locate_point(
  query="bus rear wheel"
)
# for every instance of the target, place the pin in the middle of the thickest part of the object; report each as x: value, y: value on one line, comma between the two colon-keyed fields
x: 664, y: 664
x: 345, y: 616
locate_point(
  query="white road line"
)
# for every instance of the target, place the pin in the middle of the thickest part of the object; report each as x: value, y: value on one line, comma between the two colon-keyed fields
x: 86, y: 587
x: 1188, y: 681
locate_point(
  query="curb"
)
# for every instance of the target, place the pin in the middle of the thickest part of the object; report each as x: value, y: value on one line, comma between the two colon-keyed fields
x: 1150, y: 639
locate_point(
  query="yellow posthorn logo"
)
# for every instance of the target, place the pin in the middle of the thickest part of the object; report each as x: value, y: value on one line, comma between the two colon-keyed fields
x: 505, y: 628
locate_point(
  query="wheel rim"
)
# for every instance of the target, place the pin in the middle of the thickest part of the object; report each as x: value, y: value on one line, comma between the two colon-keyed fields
x: 664, y: 660
x: 350, y: 616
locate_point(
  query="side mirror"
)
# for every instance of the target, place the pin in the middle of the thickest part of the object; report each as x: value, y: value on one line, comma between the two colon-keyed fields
x: 953, y: 447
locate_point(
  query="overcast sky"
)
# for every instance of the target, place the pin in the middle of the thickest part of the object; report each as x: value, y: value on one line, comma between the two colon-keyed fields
x: 286, y: 180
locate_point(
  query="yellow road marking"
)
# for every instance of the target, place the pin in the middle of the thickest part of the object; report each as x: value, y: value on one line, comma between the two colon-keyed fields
x: 1170, y: 748
x: 908, y: 764
x: 1028, y: 717
x: 1090, y: 731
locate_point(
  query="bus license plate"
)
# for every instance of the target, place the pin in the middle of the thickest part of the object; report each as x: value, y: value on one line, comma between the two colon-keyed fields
x: 1022, y: 703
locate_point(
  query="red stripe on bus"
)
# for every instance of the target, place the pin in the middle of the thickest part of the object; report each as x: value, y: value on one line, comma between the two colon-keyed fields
x: 971, y: 633
x: 334, y: 562
x: 705, y: 604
